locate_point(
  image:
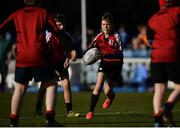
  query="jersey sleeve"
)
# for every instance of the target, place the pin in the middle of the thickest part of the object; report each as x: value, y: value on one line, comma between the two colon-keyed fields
x: 119, y: 42
x: 94, y: 43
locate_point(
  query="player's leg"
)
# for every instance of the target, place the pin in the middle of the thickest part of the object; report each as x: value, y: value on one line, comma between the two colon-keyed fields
x: 174, y: 71
x: 113, y: 74
x: 51, y: 94
x: 63, y: 75
x: 174, y: 96
x: 159, y: 92
x: 46, y: 75
x: 68, y: 98
x: 95, y: 94
x: 108, y: 90
x: 67, y: 92
x: 169, y: 105
x: 160, y: 77
x: 22, y: 76
x: 18, y: 95
x: 39, y: 100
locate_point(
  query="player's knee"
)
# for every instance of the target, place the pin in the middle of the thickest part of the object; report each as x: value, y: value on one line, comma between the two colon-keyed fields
x: 66, y: 83
x: 177, y: 87
x: 20, y: 87
x: 96, y: 91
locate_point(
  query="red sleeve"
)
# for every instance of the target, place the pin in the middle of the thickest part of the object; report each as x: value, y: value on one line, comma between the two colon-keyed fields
x: 94, y: 42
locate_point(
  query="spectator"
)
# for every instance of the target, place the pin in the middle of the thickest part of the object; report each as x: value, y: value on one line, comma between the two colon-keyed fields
x: 139, y: 78
x: 123, y: 34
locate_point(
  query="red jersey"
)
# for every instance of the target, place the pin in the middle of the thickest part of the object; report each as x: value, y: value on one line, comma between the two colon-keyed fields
x: 61, y: 46
x: 166, y: 27
x: 111, y: 47
x: 57, y: 53
x: 30, y: 24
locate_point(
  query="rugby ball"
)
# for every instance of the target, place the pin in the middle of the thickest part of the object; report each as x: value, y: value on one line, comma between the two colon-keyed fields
x: 91, y: 56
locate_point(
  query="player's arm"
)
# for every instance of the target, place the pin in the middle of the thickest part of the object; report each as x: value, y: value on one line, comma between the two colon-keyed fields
x: 66, y: 63
x: 70, y: 47
x: 150, y: 37
x: 4, y: 25
x: 94, y: 42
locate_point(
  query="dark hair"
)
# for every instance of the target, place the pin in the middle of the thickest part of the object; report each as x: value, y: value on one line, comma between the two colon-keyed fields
x: 59, y: 17
x: 107, y: 16
x: 31, y: 2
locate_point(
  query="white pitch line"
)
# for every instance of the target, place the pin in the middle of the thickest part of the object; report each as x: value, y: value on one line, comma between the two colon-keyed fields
x: 83, y: 114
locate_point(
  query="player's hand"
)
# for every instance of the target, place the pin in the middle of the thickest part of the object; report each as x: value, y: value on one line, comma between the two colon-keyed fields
x: 73, y: 55
x: 66, y: 63
x: 48, y: 36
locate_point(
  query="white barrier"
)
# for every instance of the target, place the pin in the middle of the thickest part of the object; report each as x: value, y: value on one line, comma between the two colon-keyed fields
x: 80, y: 73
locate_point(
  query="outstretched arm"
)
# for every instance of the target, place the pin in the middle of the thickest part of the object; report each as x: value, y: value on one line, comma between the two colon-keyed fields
x: 4, y: 24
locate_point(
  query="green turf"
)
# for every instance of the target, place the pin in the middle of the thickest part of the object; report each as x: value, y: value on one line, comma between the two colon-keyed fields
x: 128, y: 109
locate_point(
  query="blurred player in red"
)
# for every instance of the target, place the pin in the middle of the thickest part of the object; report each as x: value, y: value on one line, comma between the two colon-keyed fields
x: 31, y: 60
x: 61, y: 67
x: 165, y: 59
x: 108, y: 42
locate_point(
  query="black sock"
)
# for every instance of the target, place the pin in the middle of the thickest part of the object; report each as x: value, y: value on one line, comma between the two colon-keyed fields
x: 169, y: 106
x: 94, y: 100
x: 158, y: 118
x: 39, y: 106
x: 68, y: 107
x: 40, y: 97
x: 14, y: 119
x: 50, y: 115
x: 111, y: 94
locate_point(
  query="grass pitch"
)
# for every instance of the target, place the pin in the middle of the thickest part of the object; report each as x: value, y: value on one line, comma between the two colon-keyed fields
x: 128, y: 109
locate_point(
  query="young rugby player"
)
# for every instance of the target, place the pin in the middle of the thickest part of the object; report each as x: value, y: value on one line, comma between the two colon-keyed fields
x: 65, y: 52
x: 165, y: 59
x: 108, y: 42
x: 30, y: 24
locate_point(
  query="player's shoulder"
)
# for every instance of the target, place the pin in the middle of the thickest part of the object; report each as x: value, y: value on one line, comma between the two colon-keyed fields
x: 175, y: 9
x: 98, y: 36
x: 116, y: 35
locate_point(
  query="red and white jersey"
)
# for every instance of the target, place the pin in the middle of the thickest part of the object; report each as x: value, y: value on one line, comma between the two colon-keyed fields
x: 109, y: 46
x: 57, y: 53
